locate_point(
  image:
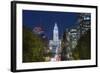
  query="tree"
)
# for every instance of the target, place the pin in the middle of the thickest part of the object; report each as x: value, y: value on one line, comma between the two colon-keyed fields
x: 83, y: 49
x: 64, y: 46
x: 33, y: 47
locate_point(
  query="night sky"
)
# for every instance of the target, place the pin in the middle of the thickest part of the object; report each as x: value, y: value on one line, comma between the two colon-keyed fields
x: 47, y: 19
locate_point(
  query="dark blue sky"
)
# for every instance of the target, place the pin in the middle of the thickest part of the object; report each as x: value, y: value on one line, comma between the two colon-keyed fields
x: 47, y: 19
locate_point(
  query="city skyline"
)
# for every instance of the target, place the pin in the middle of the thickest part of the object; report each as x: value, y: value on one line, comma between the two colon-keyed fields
x: 57, y: 34
x: 47, y: 19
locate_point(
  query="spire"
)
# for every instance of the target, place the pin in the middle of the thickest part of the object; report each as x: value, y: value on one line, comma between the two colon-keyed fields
x: 55, y: 26
x: 55, y: 32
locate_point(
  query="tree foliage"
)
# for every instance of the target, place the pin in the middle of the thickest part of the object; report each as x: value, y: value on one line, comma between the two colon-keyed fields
x: 64, y: 46
x: 83, y: 49
x: 33, y: 47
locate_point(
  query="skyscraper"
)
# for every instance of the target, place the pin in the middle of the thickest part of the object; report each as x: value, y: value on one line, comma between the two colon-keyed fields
x: 55, y: 44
